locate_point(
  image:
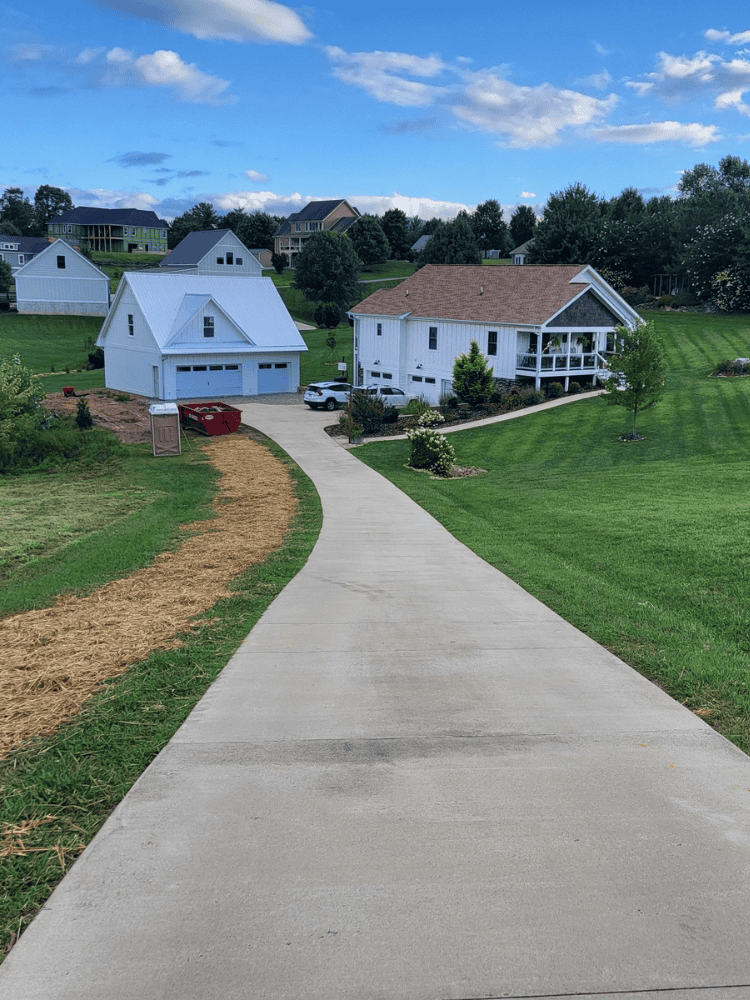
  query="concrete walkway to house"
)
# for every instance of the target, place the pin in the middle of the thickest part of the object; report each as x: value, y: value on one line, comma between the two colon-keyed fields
x: 412, y: 782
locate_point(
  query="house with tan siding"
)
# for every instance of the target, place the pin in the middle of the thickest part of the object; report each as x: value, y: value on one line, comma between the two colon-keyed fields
x: 536, y: 324
x: 334, y: 216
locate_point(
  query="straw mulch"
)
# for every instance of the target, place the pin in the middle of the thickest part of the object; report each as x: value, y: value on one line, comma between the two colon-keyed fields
x: 55, y: 658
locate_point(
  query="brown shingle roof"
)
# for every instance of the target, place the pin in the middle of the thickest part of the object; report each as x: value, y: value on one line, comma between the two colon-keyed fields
x: 527, y: 295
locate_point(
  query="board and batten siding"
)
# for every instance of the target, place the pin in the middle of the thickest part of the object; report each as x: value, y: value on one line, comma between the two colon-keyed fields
x: 249, y: 268
x: 129, y: 361
x: 78, y: 289
x: 403, y: 350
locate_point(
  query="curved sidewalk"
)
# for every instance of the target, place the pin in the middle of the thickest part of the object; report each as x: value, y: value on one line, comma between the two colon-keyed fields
x: 413, y: 781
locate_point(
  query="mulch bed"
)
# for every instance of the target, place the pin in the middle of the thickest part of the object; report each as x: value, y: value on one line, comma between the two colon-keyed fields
x: 122, y: 413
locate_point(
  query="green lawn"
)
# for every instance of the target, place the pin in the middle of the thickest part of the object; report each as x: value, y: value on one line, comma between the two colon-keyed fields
x: 46, y: 343
x: 642, y: 546
x: 72, y: 780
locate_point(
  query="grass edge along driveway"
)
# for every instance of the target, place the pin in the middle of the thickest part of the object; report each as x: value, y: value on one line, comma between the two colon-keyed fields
x: 643, y: 546
x: 58, y: 792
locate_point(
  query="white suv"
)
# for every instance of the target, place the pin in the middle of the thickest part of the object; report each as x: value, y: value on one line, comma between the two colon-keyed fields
x: 328, y: 395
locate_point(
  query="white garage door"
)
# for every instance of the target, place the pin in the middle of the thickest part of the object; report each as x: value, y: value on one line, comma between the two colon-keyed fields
x: 202, y: 381
x: 274, y: 377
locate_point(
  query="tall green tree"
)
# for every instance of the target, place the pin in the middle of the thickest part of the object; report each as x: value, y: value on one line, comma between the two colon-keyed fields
x: 326, y: 269
x: 452, y: 243
x: 48, y: 202
x: 522, y: 225
x: 639, y: 371
x: 473, y: 382
x: 6, y: 280
x: 569, y: 229
x: 369, y: 240
x: 490, y: 229
x: 395, y: 225
x: 255, y: 229
x: 198, y: 219
x: 16, y: 210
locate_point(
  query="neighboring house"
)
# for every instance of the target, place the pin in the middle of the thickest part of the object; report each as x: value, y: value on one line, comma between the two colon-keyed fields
x: 541, y: 323
x: 421, y: 243
x: 264, y: 256
x: 60, y: 281
x: 519, y: 255
x: 18, y: 250
x: 112, y: 230
x: 214, y: 251
x: 335, y: 216
x: 193, y: 336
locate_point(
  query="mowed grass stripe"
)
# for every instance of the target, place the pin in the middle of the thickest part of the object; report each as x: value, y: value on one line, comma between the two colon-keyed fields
x: 642, y: 546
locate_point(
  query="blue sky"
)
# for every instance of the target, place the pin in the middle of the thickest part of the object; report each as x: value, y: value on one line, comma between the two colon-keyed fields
x: 425, y: 106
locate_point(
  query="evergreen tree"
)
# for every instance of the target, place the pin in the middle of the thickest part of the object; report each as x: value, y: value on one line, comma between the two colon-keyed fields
x: 522, y: 225
x: 369, y: 240
x: 570, y: 228
x: 279, y: 261
x: 452, y: 243
x: 395, y: 225
x: 473, y: 382
x: 639, y: 371
x: 326, y: 269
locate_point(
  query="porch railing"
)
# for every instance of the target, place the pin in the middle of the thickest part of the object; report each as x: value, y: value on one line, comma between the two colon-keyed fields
x: 558, y: 362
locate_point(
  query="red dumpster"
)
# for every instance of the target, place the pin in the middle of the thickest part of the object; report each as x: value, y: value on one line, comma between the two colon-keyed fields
x: 210, y: 418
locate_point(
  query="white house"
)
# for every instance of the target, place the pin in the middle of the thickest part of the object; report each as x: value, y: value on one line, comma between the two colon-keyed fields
x: 60, y: 281
x: 534, y: 323
x: 214, y: 251
x: 192, y: 336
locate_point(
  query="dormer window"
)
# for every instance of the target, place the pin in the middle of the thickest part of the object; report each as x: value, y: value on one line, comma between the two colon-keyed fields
x: 208, y: 326
x: 230, y: 257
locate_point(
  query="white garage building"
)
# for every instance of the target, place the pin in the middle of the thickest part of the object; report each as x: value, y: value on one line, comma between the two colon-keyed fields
x: 189, y: 336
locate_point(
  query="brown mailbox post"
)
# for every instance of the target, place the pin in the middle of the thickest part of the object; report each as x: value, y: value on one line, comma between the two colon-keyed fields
x: 165, y: 428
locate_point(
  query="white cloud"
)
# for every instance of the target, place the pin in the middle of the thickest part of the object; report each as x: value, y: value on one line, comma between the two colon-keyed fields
x: 281, y: 204
x: 108, y: 198
x: 694, y: 134
x: 165, y: 69
x: 88, y: 56
x: 526, y: 116
x: 28, y: 53
x: 683, y: 77
x: 254, y: 175
x: 376, y: 73
x: 741, y: 38
x: 600, y: 81
x: 231, y: 20
x: 425, y: 208
x: 528, y: 194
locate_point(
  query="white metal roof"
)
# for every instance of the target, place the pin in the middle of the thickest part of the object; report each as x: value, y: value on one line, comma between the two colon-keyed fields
x: 255, y: 306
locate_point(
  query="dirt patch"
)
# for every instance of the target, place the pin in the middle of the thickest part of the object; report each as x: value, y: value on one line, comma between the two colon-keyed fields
x: 121, y: 412
x: 55, y: 658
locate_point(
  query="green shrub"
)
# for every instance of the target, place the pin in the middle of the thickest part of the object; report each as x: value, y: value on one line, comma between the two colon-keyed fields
x: 367, y: 410
x: 732, y: 368
x: 430, y: 450
x: 96, y: 359
x: 473, y: 382
x: 328, y: 315
x: 84, y: 420
x: 574, y: 388
x: 416, y: 407
x: 554, y: 390
x: 391, y: 415
x: 21, y: 411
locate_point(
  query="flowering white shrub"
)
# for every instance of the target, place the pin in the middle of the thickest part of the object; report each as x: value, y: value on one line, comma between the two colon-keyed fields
x: 430, y: 450
x: 430, y: 418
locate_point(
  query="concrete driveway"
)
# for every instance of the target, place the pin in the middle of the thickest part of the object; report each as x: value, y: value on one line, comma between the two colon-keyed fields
x: 412, y: 782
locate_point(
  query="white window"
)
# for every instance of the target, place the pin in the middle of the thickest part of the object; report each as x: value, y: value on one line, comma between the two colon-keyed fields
x: 208, y: 326
x: 380, y: 329
x: 492, y: 342
x: 131, y: 325
x: 230, y: 257
x: 387, y: 375
x: 21, y: 258
x: 374, y: 374
x: 433, y: 338
x: 416, y: 378
x: 61, y: 261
